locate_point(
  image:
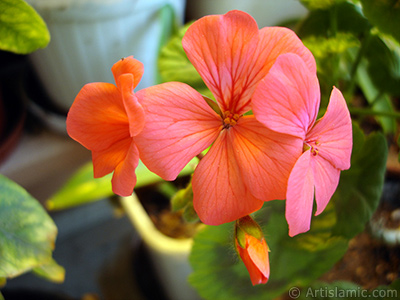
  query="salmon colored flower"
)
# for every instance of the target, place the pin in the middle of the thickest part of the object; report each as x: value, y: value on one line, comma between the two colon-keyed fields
x: 105, y: 118
x: 247, y: 163
x: 253, y: 250
x: 326, y: 143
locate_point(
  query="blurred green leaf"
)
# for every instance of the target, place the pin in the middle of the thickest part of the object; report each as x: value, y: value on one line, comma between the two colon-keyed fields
x: 322, y: 47
x: 299, y: 260
x: 361, y: 185
x: 320, y: 4
x: 174, y: 65
x: 51, y: 271
x: 384, y: 14
x: 82, y: 188
x: 380, y: 102
x: 27, y: 233
x: 383, y: 66
x: 22, y: 30
x: 348, y: 17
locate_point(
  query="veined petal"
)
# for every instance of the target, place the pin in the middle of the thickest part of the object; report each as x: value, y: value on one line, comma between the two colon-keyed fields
x: 179, y: 125
x: 97, y: 118
x: 265, y: 157
x: 326, y: 179
x: 334, y: 132
x: 132, y: 106
x: 128, y: 65
x: 105, y: 161
x: 221, y: 48
x: 287, y: 99
x: 219, y: 194
x: 124, y: 177
x: 300, y: 195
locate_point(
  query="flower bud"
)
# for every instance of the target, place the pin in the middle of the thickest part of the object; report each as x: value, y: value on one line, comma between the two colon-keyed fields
x: 252, y: 249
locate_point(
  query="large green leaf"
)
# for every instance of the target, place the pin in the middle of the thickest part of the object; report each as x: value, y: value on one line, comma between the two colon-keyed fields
x: 218, y: 274
x: 22, y: 30
x: 383, y: 65
x: 51, y: 271
x: 27, y: 233
x: 362, y: 184
x: 82, y: 188
x: 384, y: 14
x: 300, y: 260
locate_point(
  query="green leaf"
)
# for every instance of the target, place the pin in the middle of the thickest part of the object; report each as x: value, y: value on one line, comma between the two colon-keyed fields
x: 82, y: 188
x: 320, y: 4
x: 1, y: 296
x: 361, y: 186
x: 383, y: 66
x: 51, y: 271
x: 322, y: 47
x: 22, y: 30
x: 174, y: 65
x: 380, y: 102
x: 27, y: 233
x: 384, y: 14
x: 347, y: 16
x: 298, y: 260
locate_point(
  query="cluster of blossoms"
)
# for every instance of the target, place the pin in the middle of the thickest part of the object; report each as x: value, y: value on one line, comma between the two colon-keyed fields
x: 266, y: 143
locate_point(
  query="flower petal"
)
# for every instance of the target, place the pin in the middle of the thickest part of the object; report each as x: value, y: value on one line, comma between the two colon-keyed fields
x: 132, y: 106
x: 219, y: 195
x: 124, y: 177
x: 265, y: 158
x: 287, y: 99
x: 128, y: 65
x: 334, y: 132
x: 179, y: 125
x: 105, y: 161
x: 221, y: 48
x: 258, y: 254
x: 97, y: 118
x: 326, y: 179
x: 300, y: 195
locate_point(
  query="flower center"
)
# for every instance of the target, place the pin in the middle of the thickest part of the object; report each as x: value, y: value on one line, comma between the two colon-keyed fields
x: 313, y: 145
x: 230, y: 119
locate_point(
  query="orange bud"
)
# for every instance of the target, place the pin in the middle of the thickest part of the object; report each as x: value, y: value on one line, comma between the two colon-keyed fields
x: 254, y: 253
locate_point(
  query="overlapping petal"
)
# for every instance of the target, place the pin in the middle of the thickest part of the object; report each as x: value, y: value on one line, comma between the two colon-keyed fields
x: 97, y: 118
x: 124, y: 177
x: 287, y: 99
x: 300, y: 195
x: 179, y: 125
x: 326, y: 180
x: 219, y: 195
x: 334, y: 132
x: 232, y: 55
x: 255, y: 258
x: 265, y: 158
x: 221, y: 48
x: 128, y: 65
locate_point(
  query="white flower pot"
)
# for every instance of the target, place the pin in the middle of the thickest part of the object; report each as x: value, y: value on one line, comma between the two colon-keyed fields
x: 89, y: 36
x: 169, y: 255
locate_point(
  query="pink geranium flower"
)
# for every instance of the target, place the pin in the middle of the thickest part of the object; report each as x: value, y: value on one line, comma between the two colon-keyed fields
x: 105, y: 118
x: 287, y: 101
x: 247, y: 163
